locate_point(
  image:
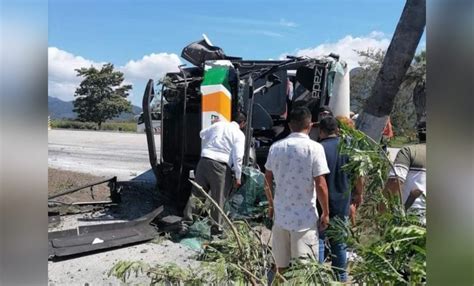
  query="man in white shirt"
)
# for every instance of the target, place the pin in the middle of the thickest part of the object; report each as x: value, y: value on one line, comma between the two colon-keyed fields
x: 297, y: 164
x: 223, y: 145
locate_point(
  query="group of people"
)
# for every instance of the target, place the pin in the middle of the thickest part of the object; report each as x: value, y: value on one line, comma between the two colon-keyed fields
x: 310, y: 190
x: 305, y: 185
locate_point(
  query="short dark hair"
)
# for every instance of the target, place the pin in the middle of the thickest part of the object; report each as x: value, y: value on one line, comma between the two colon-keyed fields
x: 325, y: 108
x: 300, y: 118
x: 240, y: 117
x: 329, y: 125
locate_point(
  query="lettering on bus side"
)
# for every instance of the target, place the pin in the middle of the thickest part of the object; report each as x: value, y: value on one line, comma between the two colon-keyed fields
x: 318, y: 77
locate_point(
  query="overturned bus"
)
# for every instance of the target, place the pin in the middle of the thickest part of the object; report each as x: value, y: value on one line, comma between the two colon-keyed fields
x: 219, y: 87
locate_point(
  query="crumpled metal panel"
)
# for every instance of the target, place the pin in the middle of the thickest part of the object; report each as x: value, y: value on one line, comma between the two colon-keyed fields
x: 102, y: 236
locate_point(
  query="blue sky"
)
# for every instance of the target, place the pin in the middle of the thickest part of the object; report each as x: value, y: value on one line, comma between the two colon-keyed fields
x: 137, y: 36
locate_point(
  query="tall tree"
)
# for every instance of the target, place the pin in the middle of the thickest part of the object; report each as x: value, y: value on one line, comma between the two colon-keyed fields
x: 101, y: 95
x: 409, y: 98
x: 397, y: 60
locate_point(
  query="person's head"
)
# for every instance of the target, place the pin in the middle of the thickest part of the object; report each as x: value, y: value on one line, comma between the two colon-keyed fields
x: 241, y: 119
x: 421, y: 130
x: 300, y: 120
x: 328, y: 127
x: 324, y: 111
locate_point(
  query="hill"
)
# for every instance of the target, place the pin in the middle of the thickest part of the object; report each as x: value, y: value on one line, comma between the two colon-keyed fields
x: 59, y: 109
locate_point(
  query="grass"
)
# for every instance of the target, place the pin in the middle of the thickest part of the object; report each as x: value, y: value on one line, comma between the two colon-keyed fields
x: 400, y: 141
x: 122, y: 126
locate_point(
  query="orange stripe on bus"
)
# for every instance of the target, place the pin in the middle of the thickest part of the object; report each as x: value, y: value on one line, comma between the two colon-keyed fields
x: 218, y: 102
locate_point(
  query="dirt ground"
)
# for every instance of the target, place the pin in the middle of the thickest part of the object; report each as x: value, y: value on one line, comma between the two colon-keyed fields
x: 137, y: 199
x: 60, y: 181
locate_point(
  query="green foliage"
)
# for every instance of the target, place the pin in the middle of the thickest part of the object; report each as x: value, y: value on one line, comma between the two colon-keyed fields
x: 72, y: 124
x: 400, y: 141
x: 254, y: 258
x: 175, y: 275
x: 112, y: 126
x: 309, y: 272
x: 391, y: 245
x: 101, y: 95
x: 398, y: 256
x: 124, y: 268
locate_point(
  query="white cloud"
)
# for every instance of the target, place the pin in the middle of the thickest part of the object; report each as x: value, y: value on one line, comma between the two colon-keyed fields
x: 347, y: 46
x: 267, y: 33
x: 286, y: 23
x: 151, y: 66
x: 62, y: 79
x: 62, y: 90
x: 249, y: 22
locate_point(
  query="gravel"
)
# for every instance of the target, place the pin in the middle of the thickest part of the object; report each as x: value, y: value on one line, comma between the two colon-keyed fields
x: 137, y: 200
x: 76, y: 157
x: 92, y: 269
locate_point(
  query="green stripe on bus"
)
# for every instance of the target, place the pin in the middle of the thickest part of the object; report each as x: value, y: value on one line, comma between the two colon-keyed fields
x: 216, y: 75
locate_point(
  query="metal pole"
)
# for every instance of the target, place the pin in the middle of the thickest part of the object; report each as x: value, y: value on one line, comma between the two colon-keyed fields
x: 248, y: 129
x: 82, y: 187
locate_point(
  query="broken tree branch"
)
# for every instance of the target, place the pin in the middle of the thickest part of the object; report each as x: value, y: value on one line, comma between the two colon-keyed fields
x: 226, y: 218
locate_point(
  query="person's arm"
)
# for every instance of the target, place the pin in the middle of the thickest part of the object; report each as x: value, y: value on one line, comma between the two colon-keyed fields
x: 357, y: 194
x: 393, y: 188
x: 397, y: 176
x: 268, y: 191
x: 320, y: 170
x: 414, y: 194
x: 323, y: 198
x: 205, y: 132
x: 269, y: 181
x: 237, y: 154
x: 392, y: 191
x: 352, y: 214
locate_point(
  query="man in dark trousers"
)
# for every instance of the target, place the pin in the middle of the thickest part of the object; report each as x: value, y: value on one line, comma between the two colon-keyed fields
x: 338, y: 190
x: 223, y: 145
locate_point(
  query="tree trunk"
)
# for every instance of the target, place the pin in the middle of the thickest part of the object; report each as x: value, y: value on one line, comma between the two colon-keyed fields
x: 99, y: 125
x: 397, y: 60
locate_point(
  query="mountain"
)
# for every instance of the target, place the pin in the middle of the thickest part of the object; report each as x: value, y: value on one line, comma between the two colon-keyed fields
x: 59, y: 109
x: 127, y: 116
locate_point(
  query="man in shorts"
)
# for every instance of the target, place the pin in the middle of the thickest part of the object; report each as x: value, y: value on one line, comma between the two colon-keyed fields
x: 298, y: 165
